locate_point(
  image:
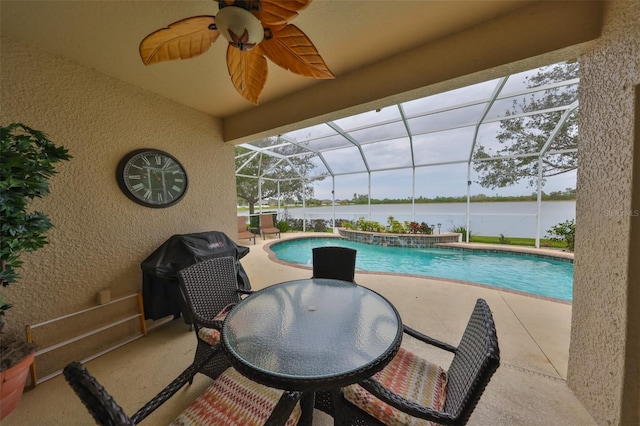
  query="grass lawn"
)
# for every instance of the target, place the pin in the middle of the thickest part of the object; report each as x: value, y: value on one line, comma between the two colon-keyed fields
x: 514, y: 241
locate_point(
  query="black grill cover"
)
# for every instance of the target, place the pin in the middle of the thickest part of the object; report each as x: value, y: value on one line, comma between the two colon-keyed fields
x: 160, y: 292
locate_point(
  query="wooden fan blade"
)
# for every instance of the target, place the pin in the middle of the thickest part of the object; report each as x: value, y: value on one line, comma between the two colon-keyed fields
x: 248, y: 71
x: 278, y: 12
x: 181, y: 40
x: 292, y: 50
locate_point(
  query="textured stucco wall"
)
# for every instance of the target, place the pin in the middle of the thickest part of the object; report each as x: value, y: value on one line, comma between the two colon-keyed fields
x: 100, y: 236
x: 604, y: 217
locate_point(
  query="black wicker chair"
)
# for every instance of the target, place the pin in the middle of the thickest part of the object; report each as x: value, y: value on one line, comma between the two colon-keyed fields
x: 337, y: 263
x: 100, y: 404
x: 475, y: 360
x: 107, y: 412
x: 209, y: 287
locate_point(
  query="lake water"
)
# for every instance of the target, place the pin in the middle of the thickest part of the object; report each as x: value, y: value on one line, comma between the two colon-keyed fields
x: 511, y: 219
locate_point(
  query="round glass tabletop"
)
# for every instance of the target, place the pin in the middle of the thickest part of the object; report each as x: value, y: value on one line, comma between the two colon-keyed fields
x: 313, y: 333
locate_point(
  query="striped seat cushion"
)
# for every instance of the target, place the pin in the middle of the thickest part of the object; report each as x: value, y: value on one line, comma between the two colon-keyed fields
x: 410, y: 377
x: 211, y: 335
x: 234, y: 400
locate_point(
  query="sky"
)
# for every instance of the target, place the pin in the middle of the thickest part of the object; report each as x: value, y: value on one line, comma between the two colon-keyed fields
x: 444, y: 128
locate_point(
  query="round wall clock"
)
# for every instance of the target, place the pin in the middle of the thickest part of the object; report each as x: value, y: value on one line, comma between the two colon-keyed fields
x: 152, y: 178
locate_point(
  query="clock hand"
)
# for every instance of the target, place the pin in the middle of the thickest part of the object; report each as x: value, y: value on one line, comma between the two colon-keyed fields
x: 164, y: 182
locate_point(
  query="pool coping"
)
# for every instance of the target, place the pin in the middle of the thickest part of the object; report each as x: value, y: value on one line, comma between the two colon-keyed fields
x: 454, y: 246
x: 544, y: 253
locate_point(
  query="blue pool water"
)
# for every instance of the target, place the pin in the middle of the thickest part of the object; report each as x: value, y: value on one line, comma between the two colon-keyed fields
x: 529, y: 274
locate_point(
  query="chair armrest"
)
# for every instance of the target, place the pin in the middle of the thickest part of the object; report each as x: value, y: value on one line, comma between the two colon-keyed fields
x: 208, y: 323
x: 244, y: 293
x: 173, y: 387
x: 376, y: 389
x: 430, y: 340
x: 283, y: 409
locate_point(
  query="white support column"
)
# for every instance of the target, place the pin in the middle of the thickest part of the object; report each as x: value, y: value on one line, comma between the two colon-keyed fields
x: 260, y: 195
x: 278, y: 183
x: 468, y: 200
x: 304, y: 207
x: 413, y: 194
x: 539, y: 202
x: 333, y: 203
x: 369, y: 196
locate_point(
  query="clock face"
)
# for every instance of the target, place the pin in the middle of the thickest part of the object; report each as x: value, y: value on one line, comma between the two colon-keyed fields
x: 152, y: 178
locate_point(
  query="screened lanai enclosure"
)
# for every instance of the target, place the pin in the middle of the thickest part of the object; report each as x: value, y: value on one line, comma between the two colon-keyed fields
x: 444, y: 160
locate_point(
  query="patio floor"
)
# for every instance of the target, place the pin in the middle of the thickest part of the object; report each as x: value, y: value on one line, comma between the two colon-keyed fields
x: 528, y: 388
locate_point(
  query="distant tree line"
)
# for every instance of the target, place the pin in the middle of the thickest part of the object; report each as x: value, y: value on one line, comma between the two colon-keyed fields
x: 567, y: 194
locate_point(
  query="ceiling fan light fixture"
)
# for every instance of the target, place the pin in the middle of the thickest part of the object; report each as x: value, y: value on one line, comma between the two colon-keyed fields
x: 244, y: 24
x: 240, y: 27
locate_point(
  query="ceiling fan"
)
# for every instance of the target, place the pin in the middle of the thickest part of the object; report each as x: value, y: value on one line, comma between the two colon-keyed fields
x: 255, y: 30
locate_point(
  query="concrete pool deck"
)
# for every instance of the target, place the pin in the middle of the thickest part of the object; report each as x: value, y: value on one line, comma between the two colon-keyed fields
x: 528, y: 388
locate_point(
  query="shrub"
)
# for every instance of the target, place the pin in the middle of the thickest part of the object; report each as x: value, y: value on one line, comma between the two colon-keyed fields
x: 254, y: 221
x: 396, y: 227
x: 320, y: 225
x: 425, y: 229
x: 346, y: 224
x: 461, y: 230
x: 369, y: 225
x: 294, y: 224
x: 503, y: 240
x: 283, y: 226
x: 564, y: 232
x: 414, y: 227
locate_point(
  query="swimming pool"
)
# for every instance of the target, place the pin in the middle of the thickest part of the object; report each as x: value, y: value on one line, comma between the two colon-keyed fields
x: 528, y: 274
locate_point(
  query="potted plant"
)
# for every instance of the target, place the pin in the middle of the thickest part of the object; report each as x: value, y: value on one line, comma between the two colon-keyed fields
x: 16, y: 356
x: 27, y: 163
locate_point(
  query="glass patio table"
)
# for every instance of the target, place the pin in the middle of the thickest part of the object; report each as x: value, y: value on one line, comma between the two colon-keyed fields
x: 311, y: 335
